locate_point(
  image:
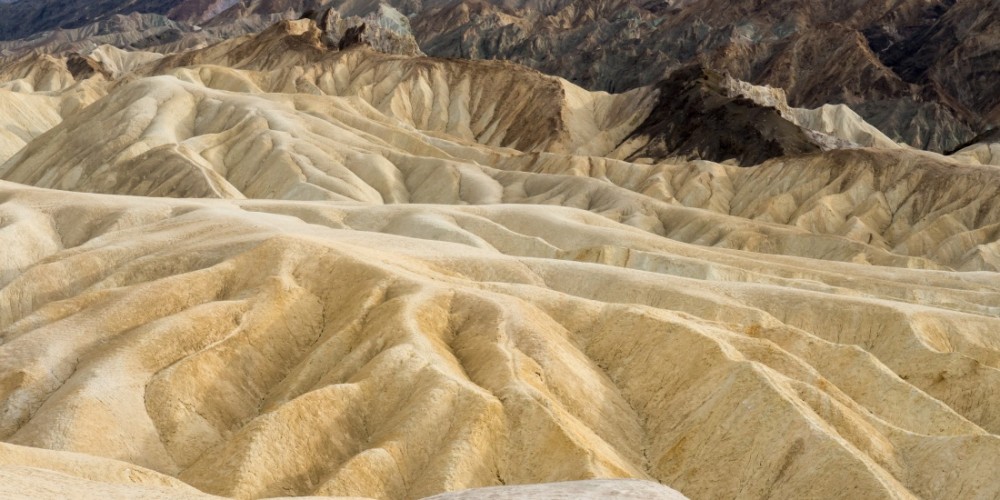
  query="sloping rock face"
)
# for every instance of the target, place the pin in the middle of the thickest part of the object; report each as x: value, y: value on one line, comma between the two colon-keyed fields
x: 984, y: 149
x: 138, y: 31
x: 694, y: 114
x: 626, y: 490
x: 695, y: 118
x: 385, y: 30
x: 919, y: 71
x: 268, y: 268
x: 25, y: 18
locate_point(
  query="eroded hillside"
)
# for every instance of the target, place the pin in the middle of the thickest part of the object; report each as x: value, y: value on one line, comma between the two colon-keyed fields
x: 275, y: 267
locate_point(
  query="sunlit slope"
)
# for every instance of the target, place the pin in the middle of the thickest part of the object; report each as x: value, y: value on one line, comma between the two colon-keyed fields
x: 170, y: 136
x: 269, y: 268
x: 271, y: 348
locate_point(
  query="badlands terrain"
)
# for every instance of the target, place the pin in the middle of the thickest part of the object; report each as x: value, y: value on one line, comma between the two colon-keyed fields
x: 314, y: 261
x: 922, y: 71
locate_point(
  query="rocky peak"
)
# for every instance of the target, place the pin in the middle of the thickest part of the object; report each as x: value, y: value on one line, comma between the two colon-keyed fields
x: 700, y: 116
x: 385, y: 30
x: 83, y: 67
x: 765, y: 95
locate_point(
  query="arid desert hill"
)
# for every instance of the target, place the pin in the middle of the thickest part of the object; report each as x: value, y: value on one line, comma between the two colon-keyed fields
x: 921, y: 71
x: 272, y: 267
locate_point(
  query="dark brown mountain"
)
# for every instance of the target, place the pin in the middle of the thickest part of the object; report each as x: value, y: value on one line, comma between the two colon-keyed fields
x: 696, y: 119
x: 27, y: 17
x: 922, y: 71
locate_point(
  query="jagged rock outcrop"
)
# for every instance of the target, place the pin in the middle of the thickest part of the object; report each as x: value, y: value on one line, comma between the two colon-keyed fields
x: 983, y: 149
x: 834, y: 126
x: 386, y: 30
x: 695, y: 118
x: 83, y: 67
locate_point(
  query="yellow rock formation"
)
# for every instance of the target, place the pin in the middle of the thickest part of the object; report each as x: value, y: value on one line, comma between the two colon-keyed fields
x: 352, y: 274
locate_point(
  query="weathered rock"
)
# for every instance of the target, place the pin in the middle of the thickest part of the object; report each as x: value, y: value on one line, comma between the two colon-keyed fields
x: 269, y: 268
x: 695, y: 118
x: 921, y: 72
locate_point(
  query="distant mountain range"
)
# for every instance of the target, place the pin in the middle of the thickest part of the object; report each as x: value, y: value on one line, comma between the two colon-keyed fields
x: 924, y: 72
